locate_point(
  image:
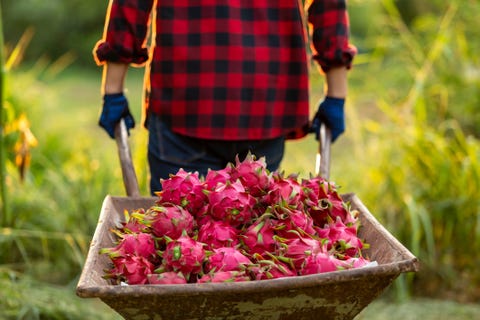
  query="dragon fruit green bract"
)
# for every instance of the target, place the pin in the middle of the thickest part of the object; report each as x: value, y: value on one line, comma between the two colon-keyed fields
x: 241, y: 223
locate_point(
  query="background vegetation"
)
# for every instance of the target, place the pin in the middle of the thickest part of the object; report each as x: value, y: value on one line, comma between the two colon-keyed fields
x: 411, y: 151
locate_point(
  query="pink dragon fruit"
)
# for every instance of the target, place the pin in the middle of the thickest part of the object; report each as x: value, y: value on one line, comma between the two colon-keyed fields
x: 316, y: 188
x: 299, y: 248
x: 133, y: 222
x: 169, y: 220
x: 227, y: 259
x: 218, y: 234
x: 133, y: 244
x: 290, y: 219
x: 284, y: 189
x: 355, y: 262
x: 224, y: 276
x: 237, y: 224
x: 202, y: 216
x: 253, y: 174
x: 230, y: 202
x: 168, y: 277
x: 184, y: 255
x: 131, y: 269
x: 215, y: 177
x: 259, y: 237
x: 271, y: 268
x: 339, y: 209
x: 184, y: 189
x: 324, y: 202
x: 320, y: 262
x: 342, y: 238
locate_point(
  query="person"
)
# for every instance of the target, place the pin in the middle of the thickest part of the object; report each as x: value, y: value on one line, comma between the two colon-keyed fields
x: 223, y: 78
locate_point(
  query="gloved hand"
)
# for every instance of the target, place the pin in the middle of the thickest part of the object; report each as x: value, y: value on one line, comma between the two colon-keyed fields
x: 115, y: 108
x: 330, y: 112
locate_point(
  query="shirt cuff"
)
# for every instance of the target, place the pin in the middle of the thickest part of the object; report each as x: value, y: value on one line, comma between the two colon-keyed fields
x: 339, y: 58
x: 104, y: 52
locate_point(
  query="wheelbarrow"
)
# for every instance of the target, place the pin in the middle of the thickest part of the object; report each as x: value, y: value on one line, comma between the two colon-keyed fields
x: 333, y: 295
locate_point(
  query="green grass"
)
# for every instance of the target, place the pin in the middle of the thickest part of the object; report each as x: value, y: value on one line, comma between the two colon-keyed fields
x: 424, y: 309
x: 27, y: 299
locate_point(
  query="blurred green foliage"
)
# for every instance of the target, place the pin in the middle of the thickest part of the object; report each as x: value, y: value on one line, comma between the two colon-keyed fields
x: 415, y: 128
x: 411, y: 148
x: 60, y: 27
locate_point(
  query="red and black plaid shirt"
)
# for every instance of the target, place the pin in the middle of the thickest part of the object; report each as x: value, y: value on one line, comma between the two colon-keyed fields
x: 231, y: 69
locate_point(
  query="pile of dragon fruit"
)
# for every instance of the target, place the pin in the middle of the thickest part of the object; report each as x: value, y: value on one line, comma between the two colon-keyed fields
x: 241, y: 223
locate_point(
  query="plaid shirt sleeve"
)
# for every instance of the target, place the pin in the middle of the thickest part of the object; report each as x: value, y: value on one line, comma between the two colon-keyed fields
x: 125, y: 33
x: 329, y: 30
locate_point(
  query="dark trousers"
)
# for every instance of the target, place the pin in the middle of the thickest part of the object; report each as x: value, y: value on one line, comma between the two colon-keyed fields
x: 168, y: 152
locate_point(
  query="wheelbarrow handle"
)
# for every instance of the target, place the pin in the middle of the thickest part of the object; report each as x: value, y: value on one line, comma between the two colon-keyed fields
x: 128, y: 171
x: 322, y: 165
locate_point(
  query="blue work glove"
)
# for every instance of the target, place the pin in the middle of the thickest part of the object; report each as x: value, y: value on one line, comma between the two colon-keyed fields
x: 115, y: 108
x: 330, y: 112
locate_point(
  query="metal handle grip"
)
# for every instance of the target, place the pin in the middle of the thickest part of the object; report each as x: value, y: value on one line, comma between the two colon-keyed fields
x: 322, y: 166
x: 128, y: 171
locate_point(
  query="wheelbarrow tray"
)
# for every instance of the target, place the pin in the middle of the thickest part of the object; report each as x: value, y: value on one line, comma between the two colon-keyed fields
x: 333, y: 295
